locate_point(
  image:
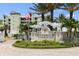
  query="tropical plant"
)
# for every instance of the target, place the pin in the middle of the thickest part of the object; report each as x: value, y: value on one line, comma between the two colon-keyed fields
x: 23, y: 28
x: 69, y: 24
x: 61, y: 18
x: 48, y: 17
x: 75, y: 26
x: 40, y: 8
x: 71, y: 7
x: 51, y: 7
x: 40, y: 44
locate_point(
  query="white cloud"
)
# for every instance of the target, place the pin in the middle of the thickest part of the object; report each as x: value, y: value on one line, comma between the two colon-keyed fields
x: 68, y: 15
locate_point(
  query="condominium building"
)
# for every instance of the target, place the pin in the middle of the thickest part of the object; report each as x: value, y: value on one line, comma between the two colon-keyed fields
x: 13, y: 22
x: 24, y: 21
x: 14, y: 19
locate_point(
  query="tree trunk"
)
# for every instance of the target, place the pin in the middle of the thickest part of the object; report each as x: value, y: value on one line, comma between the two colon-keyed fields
x: 52, y: 14
x: 6, y: 34
x: 70, y: 34
x: 75, y: 32
x: 71, y: 15
x: 67, y: 35
x: 42, y: 16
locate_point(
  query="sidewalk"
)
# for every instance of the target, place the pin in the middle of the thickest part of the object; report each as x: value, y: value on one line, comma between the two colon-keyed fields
x: 6, y: 49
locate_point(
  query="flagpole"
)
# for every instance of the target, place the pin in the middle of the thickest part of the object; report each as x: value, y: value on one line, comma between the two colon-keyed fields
x: 29, y: 19
x: 28, y: 28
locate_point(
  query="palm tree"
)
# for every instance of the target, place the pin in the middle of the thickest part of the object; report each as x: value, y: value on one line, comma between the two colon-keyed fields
x: 52, y: 7
x: 75, y: 26
x: 61, y: 18
x: 24, y: 29
x: 40, y: 8
x: 69, y: 24
x: 48, y: 17
x: 71, y: 7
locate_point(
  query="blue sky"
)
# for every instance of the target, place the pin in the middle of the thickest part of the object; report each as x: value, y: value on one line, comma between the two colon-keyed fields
x: 6, y: 8
x: 23, y: 8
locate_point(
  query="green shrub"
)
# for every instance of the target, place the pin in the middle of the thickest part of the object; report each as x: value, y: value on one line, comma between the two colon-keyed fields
x: 21, y: 43
x: 17, y: 41
x: 58, y: 46
x: 45, y: 41
x: 39, y: 44
x: 72, y: 43
x: 16, y: 36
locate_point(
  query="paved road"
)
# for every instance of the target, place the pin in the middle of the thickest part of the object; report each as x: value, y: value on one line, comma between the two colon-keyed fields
x: 6, y: 49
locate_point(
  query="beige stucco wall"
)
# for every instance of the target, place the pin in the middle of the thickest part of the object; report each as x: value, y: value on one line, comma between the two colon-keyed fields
x: 15, y: 24
x: 15, y: 20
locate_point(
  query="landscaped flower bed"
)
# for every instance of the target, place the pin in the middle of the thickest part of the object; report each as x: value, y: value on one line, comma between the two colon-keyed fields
x: 39, y: 44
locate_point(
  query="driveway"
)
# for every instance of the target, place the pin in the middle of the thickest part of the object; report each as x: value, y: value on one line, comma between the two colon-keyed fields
x: 6, y: 49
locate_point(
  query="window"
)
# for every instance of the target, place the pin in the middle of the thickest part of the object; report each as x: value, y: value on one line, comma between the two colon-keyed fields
x: 9, y: 19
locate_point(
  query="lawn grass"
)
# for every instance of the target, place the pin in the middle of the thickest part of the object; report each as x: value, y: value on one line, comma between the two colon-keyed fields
x: 39, y: 44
